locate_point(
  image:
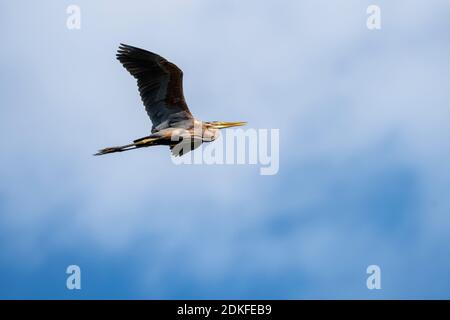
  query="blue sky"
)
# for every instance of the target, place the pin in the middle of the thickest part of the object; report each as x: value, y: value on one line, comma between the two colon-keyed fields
x: 364, y: 147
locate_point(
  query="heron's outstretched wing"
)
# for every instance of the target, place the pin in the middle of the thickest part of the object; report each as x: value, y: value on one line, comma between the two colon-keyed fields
x: 160, y: 85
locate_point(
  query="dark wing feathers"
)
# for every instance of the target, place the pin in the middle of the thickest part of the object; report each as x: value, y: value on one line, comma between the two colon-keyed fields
x: 160, y: 84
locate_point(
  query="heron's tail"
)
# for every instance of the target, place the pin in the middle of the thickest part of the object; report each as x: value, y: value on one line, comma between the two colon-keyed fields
x: 144, y: 142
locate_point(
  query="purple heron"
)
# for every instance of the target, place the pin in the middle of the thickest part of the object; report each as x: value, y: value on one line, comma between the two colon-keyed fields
x: 160, y: 85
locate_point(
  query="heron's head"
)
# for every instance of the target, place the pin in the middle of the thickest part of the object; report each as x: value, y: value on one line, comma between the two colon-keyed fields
x: 223, y: 125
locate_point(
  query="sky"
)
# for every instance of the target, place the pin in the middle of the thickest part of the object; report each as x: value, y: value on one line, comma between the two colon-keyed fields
x: 364, y: 176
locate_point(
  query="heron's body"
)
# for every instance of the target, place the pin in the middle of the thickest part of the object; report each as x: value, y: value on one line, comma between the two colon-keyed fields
x: 160, y: 84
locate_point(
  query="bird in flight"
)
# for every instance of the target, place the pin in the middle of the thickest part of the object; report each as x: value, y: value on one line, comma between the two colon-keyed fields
x: 160, y: 85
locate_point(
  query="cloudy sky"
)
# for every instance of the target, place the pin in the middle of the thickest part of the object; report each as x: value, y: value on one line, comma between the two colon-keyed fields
x: 364, y: 146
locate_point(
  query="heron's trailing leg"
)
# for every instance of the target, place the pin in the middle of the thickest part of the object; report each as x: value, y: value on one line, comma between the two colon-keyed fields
x: 144, y: 142
x: 116, y: 149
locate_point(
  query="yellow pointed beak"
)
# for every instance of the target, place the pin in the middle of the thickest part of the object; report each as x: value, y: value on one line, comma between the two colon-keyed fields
x: 223, y: 125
